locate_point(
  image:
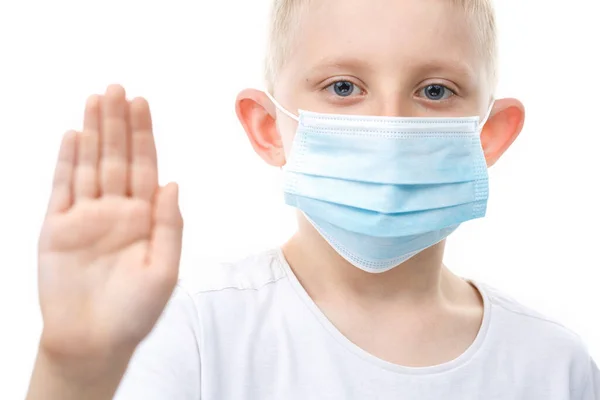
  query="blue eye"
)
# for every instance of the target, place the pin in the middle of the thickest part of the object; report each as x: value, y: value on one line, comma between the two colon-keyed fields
x: 437, y: 92
x: 344, y: 88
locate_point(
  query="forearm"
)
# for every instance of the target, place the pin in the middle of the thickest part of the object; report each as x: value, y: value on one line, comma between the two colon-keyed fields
x: 85, y: 380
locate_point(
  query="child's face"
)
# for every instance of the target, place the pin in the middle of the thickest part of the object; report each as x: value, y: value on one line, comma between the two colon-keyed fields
x: 410, y: 58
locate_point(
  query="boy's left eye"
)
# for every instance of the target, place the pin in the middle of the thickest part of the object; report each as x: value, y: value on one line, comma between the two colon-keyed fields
x: 436, y: 92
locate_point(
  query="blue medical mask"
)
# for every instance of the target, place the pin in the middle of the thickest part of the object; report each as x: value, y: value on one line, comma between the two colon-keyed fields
x: 380, y: 190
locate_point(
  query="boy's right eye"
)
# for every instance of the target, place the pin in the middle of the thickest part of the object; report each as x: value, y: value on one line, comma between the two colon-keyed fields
x: 344, y: 89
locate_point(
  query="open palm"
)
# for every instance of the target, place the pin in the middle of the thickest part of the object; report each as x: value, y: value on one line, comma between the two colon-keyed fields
x: 110, y: 245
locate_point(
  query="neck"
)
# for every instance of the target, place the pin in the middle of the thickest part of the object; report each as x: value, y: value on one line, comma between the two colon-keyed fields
x: 323, y: 272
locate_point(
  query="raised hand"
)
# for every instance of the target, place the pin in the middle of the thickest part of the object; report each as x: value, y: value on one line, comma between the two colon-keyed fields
x: 110, y: 245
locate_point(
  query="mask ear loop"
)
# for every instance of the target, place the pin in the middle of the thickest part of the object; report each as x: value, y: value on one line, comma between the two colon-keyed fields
x: 283, y: 110
x: 280, y: 107
x: 487, y: 115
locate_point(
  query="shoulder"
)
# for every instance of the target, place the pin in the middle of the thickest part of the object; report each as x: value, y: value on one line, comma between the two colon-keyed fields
x: 524, y: 332
x: 250, y: 289
x: 527, y: 322
x: 253, y: 273
x: 235, y: 287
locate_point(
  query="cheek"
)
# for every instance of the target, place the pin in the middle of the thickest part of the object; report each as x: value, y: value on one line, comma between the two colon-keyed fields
x: 287, y: 131
x: 287, y: 144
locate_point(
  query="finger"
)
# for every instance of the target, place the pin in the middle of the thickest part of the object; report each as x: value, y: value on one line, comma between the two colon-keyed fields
x: 114, y: 153
x: 143, y: 170
x: 167, y: 233
x: 62, y: 197
x: 86, y: 173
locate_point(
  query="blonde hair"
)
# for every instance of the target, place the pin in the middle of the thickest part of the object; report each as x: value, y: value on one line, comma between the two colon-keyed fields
x: 285, y: 19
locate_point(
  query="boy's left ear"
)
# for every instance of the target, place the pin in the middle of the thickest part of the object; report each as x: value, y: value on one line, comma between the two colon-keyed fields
x: 502, y: 128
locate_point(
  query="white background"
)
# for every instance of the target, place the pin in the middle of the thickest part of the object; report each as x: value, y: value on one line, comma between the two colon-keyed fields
x: 539, y: 242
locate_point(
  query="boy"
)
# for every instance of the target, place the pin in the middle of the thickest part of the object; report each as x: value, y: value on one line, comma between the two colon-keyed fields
x: 357, y: 304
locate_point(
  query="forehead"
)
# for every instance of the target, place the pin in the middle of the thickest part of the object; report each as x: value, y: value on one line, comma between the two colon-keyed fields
x: 386, y: 34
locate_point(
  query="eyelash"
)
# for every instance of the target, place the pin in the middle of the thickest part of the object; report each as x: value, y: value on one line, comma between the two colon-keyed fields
x: 356, y: 85
x: 421, y: 89
x: 452, y: 93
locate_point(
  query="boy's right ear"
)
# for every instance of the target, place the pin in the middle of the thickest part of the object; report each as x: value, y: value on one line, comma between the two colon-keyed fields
x: 257, y: 114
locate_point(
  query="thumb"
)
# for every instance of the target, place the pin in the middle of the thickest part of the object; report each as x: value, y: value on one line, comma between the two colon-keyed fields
x: 167, y: 232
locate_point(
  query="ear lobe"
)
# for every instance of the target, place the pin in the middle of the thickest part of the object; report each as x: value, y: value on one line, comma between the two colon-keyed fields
x: 256, y: 113
x: 502, y: 129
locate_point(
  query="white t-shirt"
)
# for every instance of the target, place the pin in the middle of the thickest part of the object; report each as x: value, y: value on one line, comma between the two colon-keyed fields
x: 251, y: 332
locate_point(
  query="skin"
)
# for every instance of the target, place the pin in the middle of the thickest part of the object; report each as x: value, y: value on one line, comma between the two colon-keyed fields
x: 109, y: 221
x: 109, y: 251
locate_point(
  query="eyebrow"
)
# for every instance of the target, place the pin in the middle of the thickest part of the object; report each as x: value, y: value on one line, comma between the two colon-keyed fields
x: 458, y: 68
x: 337, y: 63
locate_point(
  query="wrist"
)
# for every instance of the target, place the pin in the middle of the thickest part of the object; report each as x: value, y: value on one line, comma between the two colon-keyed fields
x: 66, y: 378
x: 83, y: 354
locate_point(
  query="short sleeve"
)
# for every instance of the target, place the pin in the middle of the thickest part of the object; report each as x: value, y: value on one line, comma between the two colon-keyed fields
x: 166, y: 365
x: 591, y: 390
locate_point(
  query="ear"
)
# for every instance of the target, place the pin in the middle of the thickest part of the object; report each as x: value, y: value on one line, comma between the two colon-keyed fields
x: 502, y: 129
x: 257, y: 115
